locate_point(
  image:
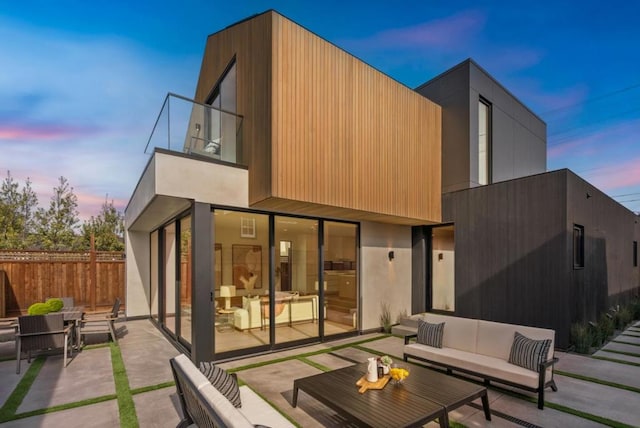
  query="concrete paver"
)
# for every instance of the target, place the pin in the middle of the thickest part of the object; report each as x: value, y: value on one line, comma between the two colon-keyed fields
x: 159, y: 408
x: 101, y: 415
x: 621, y: 347
x: 623, y: 374
x: 617, y: 356
x: 612, y: 403
x: 88, y: 375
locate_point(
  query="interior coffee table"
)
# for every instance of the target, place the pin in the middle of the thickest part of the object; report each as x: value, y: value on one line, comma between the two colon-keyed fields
x: 424, y: 396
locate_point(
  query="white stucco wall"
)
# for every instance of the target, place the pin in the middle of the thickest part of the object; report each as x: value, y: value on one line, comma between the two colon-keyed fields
x: 167, y: 185
x: 383, y: 280
x: 137, y: 268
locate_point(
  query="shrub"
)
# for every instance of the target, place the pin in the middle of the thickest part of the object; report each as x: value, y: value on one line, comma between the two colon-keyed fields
x: 54, y: 304
x: 385, y: 317
x: 623, y: 317
x: 581, y: 338
x: 39, y: 309
x: 634, y: 307
x: 606, y: 327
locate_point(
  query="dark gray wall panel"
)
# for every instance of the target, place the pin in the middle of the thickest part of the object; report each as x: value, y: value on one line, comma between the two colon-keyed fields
x: 514, y: 252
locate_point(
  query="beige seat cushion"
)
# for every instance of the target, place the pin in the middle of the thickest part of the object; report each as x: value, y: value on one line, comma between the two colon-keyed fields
x: 485, y: 365
x: 459, y: 333
x: 259, y: 412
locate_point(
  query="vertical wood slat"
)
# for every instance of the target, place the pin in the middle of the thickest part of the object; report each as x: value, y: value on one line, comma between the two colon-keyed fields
x: 30, y: 278
x: 324, y: 129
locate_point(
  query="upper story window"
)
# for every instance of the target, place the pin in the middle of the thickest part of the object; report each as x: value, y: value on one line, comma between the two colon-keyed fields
x: 484, y: 142
x: 578, y: 246
x: 635, y: 253
x: 221, y: 124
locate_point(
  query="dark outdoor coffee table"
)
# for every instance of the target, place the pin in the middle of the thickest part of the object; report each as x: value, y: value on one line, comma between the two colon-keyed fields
x: 424, y: 396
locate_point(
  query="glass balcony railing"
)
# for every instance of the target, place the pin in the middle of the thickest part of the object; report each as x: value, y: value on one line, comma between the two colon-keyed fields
x: 186, y: 126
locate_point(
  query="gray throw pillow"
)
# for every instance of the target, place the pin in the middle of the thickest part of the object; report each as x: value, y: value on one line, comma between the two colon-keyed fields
x: 528, y: 353
x: 430, y: 334
x: 224, y: 382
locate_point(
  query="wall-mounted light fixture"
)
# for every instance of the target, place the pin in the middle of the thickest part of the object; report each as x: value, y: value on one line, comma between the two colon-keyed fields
x: 391, y: 255
x: 197, y: 127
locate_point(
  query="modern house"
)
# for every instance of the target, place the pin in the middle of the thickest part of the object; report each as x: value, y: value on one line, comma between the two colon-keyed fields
x: 303, y: 192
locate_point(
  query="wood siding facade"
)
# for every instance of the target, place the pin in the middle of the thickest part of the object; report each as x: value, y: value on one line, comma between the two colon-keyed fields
x: 514, y: 252
x: 324, y: 133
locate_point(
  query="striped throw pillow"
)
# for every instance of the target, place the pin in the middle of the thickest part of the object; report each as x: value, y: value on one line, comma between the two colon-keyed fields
x: 528, y: 353
x: 430, y: 334
x: 225, y: 383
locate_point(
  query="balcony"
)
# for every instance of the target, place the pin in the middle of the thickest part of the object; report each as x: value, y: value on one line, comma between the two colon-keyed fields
x: 186, y: 126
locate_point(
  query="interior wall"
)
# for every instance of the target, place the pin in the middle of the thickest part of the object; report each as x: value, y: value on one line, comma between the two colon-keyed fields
x: 383, y: 280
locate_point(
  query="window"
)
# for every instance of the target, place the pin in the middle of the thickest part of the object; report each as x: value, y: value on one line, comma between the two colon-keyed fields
x: 484, y: 142
x: 220, y: 124
x: 578, y: 246
x: 635, y: 253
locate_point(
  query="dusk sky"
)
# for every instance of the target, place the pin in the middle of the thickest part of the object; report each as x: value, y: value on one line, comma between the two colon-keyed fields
x: 82, y: 83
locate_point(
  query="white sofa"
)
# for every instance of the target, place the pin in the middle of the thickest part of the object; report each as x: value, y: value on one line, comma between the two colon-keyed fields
x: 289, y: 308
x: 203, y: 405
x: 481, y: 348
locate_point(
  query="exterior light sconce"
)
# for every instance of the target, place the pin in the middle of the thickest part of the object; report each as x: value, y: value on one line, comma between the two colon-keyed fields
x: 391, y: 255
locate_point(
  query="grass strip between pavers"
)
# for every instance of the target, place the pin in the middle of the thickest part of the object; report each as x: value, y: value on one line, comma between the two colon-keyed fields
x: 585, y: 415
x: 598, y: 381
x: 314, y: 364
x: 65, y: 406
x: 8, y: 410
x: 152, y: 387
x: 126, y: 407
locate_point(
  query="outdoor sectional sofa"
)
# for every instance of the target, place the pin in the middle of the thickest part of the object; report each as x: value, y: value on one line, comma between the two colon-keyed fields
x: 482, y: 349
x: 204, y: 406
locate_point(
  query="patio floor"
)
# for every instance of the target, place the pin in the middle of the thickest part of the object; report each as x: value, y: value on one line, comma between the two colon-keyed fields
x: 131, y: 385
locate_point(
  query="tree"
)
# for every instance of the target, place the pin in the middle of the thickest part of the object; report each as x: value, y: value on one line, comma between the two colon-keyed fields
x: 16, y: 213
x: 107, y: 229
x: 55, y: 227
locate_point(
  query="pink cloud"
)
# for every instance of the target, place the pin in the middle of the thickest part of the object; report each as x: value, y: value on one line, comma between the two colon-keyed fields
x: 621, y: 175
x: 39, y: 132
x: 444, y: 33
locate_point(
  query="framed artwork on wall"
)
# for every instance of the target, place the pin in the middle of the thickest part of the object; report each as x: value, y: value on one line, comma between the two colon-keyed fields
x: 218, y: 265
x: 247, y: 266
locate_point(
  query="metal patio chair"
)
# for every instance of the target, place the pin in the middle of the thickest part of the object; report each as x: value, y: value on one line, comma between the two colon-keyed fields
x: 101, y: 323
x: 41, y: 333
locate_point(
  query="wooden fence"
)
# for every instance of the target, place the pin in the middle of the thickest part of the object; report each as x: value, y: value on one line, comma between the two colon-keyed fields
x: 93, y: 278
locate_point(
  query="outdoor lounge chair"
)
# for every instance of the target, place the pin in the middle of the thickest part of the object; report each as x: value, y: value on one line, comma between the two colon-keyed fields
x: 42, y: 332
x: 101, y: 323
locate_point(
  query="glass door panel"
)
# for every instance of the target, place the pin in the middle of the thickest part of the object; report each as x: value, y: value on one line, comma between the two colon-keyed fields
x: 443, y: 268
x: 185, y: 279
x: 340, y: 278
x: 169, y: 308
x: 296, y: 303
x: 153, y: 251
x: 241, y: 281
